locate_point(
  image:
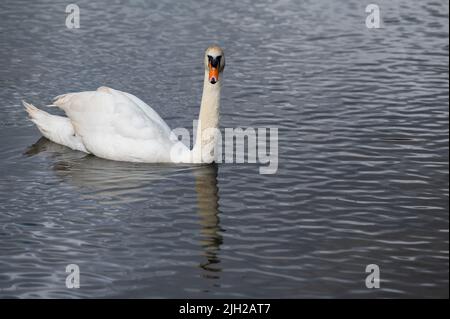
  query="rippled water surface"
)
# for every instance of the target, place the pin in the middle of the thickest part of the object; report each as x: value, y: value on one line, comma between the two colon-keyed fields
x: 363, y: 152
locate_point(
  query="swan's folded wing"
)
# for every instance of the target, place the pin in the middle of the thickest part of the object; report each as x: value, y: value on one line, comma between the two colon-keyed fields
x: 114, y: 125
x: 145, y: 108
x: 107, y: 109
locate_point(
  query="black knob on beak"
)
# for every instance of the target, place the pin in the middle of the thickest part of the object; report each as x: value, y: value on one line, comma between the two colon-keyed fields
x: 214, y: 61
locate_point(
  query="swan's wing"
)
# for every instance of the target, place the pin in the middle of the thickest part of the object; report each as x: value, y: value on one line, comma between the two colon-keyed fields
x: 144, y: 107
x: 117, y: 125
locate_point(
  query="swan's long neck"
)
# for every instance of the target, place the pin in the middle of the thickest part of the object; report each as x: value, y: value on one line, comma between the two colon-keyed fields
x: 208, y: 123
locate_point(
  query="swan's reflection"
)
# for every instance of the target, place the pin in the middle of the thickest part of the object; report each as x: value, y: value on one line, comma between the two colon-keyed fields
x: 208, y: 209
x: 119, y: 183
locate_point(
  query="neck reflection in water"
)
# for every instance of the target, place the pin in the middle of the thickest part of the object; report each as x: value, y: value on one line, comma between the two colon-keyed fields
x: 208, y: 209
x: 121, y: 184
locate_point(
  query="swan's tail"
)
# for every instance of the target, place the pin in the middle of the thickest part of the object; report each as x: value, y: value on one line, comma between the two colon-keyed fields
x: 58, y: 129
x: 38, y: 117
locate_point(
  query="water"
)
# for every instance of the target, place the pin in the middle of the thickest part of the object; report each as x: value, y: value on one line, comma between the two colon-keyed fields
x: 363, y: 152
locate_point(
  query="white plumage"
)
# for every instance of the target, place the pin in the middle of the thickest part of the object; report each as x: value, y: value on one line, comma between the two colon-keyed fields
x: 119, y: 126
x: 108, y: 123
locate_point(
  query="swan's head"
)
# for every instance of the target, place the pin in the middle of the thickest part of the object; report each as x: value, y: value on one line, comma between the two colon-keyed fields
x: 214, y: 63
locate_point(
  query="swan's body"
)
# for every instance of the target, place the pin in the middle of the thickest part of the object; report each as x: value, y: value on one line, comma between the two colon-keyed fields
x: 109, y: 124
x: 119, y: 126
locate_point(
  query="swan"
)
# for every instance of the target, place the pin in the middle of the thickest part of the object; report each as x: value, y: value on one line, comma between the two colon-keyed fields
x: 118, y: 126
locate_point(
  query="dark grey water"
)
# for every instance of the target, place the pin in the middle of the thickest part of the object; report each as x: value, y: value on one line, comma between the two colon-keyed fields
x: 363, y: 152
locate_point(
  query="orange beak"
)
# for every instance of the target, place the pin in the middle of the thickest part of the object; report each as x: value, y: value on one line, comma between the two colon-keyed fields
x: 213, y: 74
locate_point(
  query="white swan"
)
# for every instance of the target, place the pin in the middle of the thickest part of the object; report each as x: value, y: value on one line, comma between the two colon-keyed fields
x: 118, y: 126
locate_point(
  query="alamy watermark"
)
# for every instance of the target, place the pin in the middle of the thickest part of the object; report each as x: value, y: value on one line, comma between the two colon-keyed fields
x: 235, y: 145
x: 373, y: 279
x: 73, y: 279
x: 373, y: 20
x: 73, y: 16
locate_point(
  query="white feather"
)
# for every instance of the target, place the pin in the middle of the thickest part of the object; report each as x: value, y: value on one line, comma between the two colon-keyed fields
x: 118, y: 126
